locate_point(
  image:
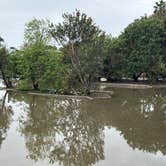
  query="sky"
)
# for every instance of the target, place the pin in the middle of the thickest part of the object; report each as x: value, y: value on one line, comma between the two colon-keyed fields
x: 110, y: 15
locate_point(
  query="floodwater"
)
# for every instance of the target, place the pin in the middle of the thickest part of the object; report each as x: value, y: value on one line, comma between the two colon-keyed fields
x: 127, y: 130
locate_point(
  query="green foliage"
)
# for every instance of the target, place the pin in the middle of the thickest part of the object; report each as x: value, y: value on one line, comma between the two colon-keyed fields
x: 5, y: 65
x: 142, y: 45
x: 84, y: 42
x: 17, y: 65
x: 138, y: 50
x: 39, y: 65
x: 37, y: 31
x: 42, y: 68
x: 114, y: 61
x: 24, y: 85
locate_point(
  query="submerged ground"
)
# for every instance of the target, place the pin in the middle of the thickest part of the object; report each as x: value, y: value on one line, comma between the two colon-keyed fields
x: 128, y: 129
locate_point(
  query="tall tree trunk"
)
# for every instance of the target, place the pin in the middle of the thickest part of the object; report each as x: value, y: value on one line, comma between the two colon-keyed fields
x: 77, y: 66
x: 76, y: 63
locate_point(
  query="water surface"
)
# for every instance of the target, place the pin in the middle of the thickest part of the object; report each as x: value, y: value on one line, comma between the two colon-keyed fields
x: 129, y: 129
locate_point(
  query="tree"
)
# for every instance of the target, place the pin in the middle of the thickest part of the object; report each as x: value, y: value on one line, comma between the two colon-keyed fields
x: 5, y: 65
x: 141, y: 46
x: 42, y: 68
x: 114, y: 60
x: 84, y: 42
x: 160, y: 9
x: 40, y: 65
x: 37, y: 31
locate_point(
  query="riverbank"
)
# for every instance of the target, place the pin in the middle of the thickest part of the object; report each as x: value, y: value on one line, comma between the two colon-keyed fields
x: 100, y: 93
x: 129, y: 85
x: 94, y: 94
x: 38, y: 93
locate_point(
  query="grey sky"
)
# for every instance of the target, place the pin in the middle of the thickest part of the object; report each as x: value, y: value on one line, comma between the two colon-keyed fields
x: 111, y: 15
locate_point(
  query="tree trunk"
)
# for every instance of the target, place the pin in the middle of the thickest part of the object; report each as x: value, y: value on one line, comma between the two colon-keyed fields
x: 87, y: 85
x: 135, y: 77
x: 9, y: 83
x: 35, y: 86
x: 77, y: 66
x: 6, y: 80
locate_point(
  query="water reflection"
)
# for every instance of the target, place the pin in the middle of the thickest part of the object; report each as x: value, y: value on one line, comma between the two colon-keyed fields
x: 5, y: 118
x: 71, y: 132
x: 140, y: 116
x: 61, y: 131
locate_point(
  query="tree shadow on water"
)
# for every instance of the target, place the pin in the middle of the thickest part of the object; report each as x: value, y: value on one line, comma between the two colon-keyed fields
x: 5, y: 118
x: 60, y: 131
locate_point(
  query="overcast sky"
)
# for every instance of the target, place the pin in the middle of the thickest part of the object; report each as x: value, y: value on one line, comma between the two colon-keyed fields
x: 111, y: 15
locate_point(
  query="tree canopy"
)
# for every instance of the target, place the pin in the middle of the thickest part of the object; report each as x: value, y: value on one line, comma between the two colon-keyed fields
x: 85, y: 43
x: 140, y: 48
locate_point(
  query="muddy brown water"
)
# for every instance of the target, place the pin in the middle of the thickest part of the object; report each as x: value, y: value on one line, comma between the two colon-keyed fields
x: 127, y: 130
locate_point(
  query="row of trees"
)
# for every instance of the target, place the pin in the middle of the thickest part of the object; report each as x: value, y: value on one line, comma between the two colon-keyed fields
x: 141, y: 48
x: 85, y: 53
